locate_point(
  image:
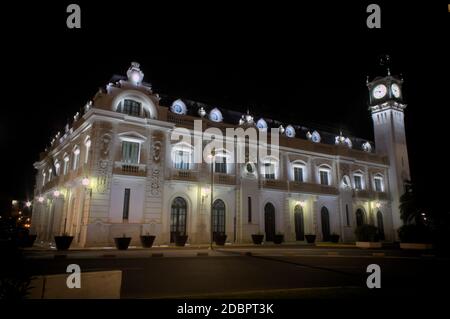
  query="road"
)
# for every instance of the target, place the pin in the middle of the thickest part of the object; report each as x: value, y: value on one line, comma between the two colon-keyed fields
x: 262, y: 272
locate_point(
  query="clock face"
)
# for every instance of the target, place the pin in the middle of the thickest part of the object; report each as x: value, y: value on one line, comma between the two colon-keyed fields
x: 395, y: 90
x: 379, y: 91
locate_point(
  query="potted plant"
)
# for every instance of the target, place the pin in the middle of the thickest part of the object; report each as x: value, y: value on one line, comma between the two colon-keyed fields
x: 220, y: 239
x: 278, y: 238
x: 334, y: 238
x: 414, y: 236
x: 63, y: 242
x: 310, y: 238
x: 147, y: 240
x: 257, y: 238
x: 367, y: 236
x: 180, y: 240
x: 122, y: 243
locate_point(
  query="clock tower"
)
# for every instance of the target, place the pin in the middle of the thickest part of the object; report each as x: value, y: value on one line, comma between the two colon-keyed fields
x: 387, y: 108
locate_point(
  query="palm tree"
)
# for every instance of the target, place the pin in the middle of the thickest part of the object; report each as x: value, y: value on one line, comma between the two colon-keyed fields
x: 409, y: 212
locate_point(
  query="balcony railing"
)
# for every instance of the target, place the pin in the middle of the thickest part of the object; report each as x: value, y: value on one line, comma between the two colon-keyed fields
x: 313, y: 188
x: 184, y: 175
x: 220, y: 178
x: 370, y: 194
x: 274, y: 184
x: 122, y: 168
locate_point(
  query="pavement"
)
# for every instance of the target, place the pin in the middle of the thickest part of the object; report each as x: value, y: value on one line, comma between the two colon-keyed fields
x: 255, y: 272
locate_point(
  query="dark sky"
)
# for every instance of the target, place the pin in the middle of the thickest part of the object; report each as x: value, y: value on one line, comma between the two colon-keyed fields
x: 299, y: 63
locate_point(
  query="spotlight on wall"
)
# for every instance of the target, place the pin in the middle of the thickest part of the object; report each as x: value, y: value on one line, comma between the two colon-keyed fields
x: 301, y: 203
x: 56, y: 193
x: 377, y: 204
x: 40, y: 199
x: 28, y: 203
x: 85, y: 181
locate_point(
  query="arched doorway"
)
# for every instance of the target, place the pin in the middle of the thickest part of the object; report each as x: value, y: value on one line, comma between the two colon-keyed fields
x: 269, y: 218
x: 299, y: 223
x: 325, y: 218
x: 380, y: 225
x: 178, y: 218
x: 360, y: 217
x: 218, y: 218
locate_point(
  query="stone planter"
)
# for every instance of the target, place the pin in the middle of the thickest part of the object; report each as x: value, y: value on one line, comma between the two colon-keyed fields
x: 257, y: 239
x: 278, y: 239
x: 417, y: 246
x: 181, y: 240
x: 63, y: 242
x: 27, y: 240
x: 122, y: 243
x: 368, y: 244
x: 310, y: 239
x: 147, y: 240
x: 220, y: 239
x: 334, y: 238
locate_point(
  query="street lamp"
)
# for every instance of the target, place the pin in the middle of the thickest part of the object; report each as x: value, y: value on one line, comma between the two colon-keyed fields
x: 212, y: 156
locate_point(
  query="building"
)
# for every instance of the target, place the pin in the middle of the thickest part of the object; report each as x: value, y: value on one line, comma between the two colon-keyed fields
x: 116, y: 170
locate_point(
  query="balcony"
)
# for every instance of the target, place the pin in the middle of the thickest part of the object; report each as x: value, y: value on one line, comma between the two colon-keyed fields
x: 129, y: 169
x: 312, y: 188
x: 184, y: 175
x: 273, y: 184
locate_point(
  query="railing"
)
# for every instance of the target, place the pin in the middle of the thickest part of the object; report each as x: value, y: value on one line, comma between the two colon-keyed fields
x: 369, y: 194
x: 273, y: 183
x: 129, y: 169
x: 312, y: 188
x: 184, y: 175
x: 220, y: 178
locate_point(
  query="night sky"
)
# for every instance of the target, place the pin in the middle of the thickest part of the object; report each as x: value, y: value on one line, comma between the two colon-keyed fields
x: 297, y: 63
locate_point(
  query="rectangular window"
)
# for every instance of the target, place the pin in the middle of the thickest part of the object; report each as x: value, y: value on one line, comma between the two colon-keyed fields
x: 358, y: 182
x: 249, y: 203
x: 182, y: 160
x: 269, y: 170
x: 220, y: 165
x: 298, y: 174
x: 131, y: 107
x: 324, y: 177
x: 347, y: 215
x: 130, y: 152
x: 76, y: 160
x: 378, y: 184
x: 126, y: 204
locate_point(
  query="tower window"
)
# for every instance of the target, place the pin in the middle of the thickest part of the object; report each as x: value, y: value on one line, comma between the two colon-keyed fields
x: 130, y: 107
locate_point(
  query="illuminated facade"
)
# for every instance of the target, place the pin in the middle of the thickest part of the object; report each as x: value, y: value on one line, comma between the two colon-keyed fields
x: 116, y: 171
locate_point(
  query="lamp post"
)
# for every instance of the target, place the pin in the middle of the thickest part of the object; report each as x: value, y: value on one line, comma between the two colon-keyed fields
x: 213, y: 153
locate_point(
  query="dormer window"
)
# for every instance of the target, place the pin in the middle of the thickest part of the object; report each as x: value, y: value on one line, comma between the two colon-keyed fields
x: 129, y: 107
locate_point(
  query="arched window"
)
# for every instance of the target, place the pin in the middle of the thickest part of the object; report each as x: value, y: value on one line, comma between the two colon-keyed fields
x: 298, y: 171
x: 129, y: 107
x: 270, y: 168
x: 325, y: 221
x: 269, y: 221
x: 218, y: 218
x: 299, y: 223
x: 324, y: 175
x: 358, y: 179
x: 57, y: 167
x: 378, y: 183
x: 380, y: 225
x: 178, y: 217
x: 76, y: 157
x: 360, y: 217
x: 87, y: 145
